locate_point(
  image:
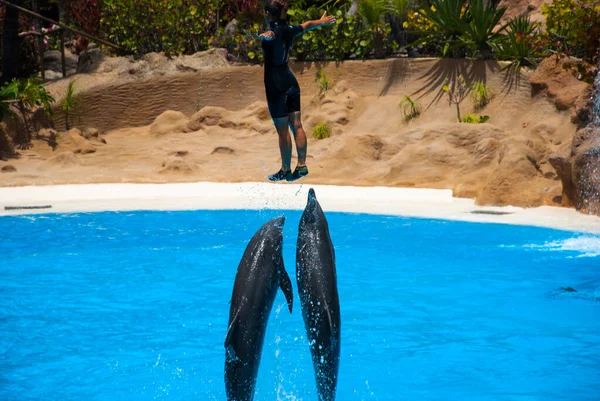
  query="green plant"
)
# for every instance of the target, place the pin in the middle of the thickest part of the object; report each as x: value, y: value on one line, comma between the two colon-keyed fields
x: 346, y: 39
x: 322, y: 81
x: 481, y: 95
x: 400, y: 8
x: 412, y: 108
x: 577, y: 25
x: 522, y: 45
x: 243, y: 44
x: 451, y: 19
x: 27, y: 95
x: 321, y: 131
x: 170, y: 26
x: 474, y: 119
x: 372, y: 13
x: 481, y: 32
x: 457, y: 92
x: 70, y: 102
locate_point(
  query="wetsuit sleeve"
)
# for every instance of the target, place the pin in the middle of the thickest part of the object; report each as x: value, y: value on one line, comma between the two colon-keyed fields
x: 296, y: 30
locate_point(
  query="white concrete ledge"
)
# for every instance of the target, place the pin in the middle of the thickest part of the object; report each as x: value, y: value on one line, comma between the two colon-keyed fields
x: 428, y: 203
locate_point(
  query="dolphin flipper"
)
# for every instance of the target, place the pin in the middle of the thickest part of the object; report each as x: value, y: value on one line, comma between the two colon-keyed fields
x: 286, y: 286
x: 230, y: 330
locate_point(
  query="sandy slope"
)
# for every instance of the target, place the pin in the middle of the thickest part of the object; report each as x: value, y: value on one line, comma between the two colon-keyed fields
x: 231, y: 138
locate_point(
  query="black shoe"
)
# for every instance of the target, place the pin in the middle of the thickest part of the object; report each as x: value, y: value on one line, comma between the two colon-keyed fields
x: 298, y: 173
x: 280, y: 176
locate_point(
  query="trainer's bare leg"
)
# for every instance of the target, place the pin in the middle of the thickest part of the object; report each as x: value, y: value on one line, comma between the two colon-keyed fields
x: 295, y: 123
x: 285, y: 142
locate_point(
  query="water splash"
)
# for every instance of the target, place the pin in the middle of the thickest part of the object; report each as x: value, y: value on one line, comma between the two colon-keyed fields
x: 585, y: 246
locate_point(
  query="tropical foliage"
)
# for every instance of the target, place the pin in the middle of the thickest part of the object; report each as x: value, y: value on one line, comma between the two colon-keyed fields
x: 26, y: 95
x: 576, y: 23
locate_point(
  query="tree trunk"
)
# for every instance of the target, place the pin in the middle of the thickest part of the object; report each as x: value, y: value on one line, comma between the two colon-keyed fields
x: 458, y: 112
x: 10, y: 44
x: 38, y: 27
x: 62, y: 19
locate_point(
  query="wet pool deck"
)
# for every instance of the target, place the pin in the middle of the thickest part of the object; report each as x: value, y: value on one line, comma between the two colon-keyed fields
x: 409, y: 202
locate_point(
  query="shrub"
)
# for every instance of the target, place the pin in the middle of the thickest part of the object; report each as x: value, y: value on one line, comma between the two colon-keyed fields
x: 372, y: 13
x: 457, y: 92
x: 321, y: 131
x: 27, y: 95
x: 481, y: 32
x: 523, y: 44
x: 577, y: 24
x: 244, y: 44
x: 87, y: 15
x: 474, y: 119
x: 347, y: 39
x: 451, y: 21
x: 481, y: 95
x: 412, y: 108
x: 170, y: 26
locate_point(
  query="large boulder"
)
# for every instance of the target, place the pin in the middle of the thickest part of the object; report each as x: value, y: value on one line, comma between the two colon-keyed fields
x: 89, y: 61
x: 555, y: 78
x: 579, y: 171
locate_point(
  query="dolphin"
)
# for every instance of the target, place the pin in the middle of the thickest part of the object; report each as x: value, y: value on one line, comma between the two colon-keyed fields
x: 317, y: 287
x: 260, y: 273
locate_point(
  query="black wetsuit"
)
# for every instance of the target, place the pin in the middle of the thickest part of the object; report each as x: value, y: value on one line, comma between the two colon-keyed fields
x: 283, y: 91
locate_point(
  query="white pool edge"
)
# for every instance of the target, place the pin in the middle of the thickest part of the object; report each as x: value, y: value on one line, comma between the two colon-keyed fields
x: 409, y: 202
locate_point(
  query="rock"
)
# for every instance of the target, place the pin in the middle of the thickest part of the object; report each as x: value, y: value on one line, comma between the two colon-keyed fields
x: 8, y: 169
x: 177, y: 166
x: 85, y: 150
x: 156, y: 60
x: 75, y: 141
x: 61, y: 160
x: 89, y: 61
x: 222, y: 150
x: 90, y: 133
x: 212, y: 58
x: 340, y: 87
x: 413, y: 53
x: 562, y: 165
x: 210, y: 116
x: 47, y: 133
x: 53, y: 63
x: 586, y: 176
x: 553, y: 78
x: 579, y: 171
x: 169, y: 122
x: 230, y: 28
x: 180, y: 153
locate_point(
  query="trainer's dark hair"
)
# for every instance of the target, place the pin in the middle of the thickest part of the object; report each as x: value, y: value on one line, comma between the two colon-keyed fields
x: 275, y: 7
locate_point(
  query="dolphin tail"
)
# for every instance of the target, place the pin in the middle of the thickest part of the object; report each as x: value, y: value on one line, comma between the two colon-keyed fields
x: 286, y: 286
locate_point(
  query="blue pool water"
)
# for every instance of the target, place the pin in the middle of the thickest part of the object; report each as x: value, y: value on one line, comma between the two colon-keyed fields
x: 134, y: 306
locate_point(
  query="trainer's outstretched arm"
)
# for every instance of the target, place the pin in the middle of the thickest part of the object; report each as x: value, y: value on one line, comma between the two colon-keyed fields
x: 326, y: 20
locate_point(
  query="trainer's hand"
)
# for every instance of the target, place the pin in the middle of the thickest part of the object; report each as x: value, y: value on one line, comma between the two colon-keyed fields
x: 327, y: 20
x: 269, y: 35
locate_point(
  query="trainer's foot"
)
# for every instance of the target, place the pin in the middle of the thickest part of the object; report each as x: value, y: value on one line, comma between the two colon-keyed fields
x: 299, y: 172
x: 280, y: 175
